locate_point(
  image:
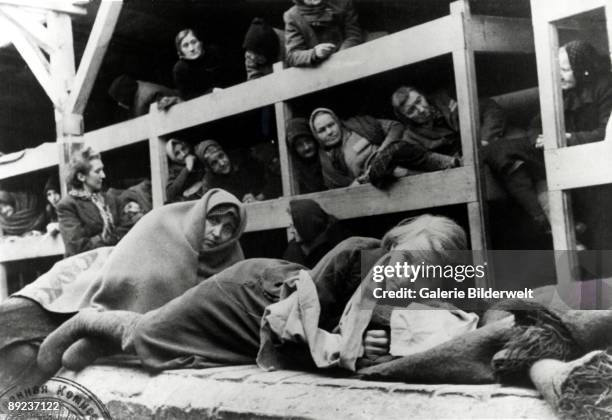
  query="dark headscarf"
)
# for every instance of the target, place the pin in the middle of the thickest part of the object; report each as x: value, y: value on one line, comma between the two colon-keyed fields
x: 123, y: 89
x: 261, y: 39
x: 309, y: 219
x: 586, y: 62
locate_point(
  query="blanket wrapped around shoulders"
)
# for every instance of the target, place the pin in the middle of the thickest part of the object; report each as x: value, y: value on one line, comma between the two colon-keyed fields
x: 159, y: 259
x: 28, y: 214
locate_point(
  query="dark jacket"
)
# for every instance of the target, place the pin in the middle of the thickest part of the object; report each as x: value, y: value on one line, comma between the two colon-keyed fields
x: 194, y: 78
x: 81, y: 224
x: 146, y: 94
x: 179, y: 179
x: 444, y: 136
x: 338, y: 25
x: 247, y: 176
x: 587, y: 111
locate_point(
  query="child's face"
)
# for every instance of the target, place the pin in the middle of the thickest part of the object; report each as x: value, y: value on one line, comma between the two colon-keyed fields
x: 181, y: 150
x: 53, y: 197
x: 312, y: 2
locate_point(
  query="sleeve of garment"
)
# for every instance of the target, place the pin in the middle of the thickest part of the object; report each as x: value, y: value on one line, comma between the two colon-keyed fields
x: 492, y: 120
x: 73, y: 231
x: 184, y: 80
x: 603, y: 95
x: 176, y: 184
x: 298, y: 53
x: 393, y: 130
x: 352, y: 30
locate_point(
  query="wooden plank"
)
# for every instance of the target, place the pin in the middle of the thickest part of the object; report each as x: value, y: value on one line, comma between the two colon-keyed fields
x: 566, y: 166
x: 97, y: 44
x: 159, y: 161
x: 491, y: 33
x: 344, y: 66
x: 31, y: 247
x: 119, y: 135
x: 53, y: 5
x: 3, y: 283
x: 543, y: 11
x: 40, y: 157
x: 33, y: 57
x: 433, y: 189
x: 28, y: 25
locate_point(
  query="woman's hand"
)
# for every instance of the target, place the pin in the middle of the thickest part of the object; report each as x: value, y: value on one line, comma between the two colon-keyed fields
x: 190, y: 162
x: 324, y: 50
x: 376, y: 343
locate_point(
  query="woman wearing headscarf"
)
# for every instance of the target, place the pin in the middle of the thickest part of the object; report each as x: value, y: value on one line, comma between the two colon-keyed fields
x: 250, y: 311
x: 198, y: 70
x: 171, y: 249
x: 315, y: 233
x: 305, y: 150
x: 20, y: 213
x: 315, y: 29
x: 185, y: 173
x: 51, y: 192
x: 586, y: 83
x: 367, y: 149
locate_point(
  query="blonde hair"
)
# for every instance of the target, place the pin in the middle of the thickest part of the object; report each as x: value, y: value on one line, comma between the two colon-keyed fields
x: 440, y: 232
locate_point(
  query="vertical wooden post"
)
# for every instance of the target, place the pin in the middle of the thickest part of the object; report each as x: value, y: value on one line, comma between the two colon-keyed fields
x: 467, y: 101
x: 283, y: 114
x: 3, y: 283
x: 553, y: 130
x: 159, y: 162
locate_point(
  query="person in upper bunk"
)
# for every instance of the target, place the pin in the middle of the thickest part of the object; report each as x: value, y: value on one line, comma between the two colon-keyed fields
x: 366, y: 149
x: 263, y: 46
x: 87, y: 216
x: 314, y: 231
x: 198, y: 70
x: 136, y: 96
x: 21, y: 213
x: 52, y: 196
x: 243, y: 177
x: 185, y: 172
x: 433, y: 120
x: 586, y: 84
x: 315, y: 29
x: 305, y: 151
x: 134, y: 203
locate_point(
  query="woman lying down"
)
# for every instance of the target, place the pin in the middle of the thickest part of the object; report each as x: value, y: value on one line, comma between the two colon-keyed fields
x: 280, y: 315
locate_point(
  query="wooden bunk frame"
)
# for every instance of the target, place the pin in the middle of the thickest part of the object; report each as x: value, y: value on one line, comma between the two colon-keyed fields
x: 459, y: 34
x: 565, y: 166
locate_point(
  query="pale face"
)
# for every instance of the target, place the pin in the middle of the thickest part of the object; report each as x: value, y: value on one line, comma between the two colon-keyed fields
x: 6, y: 210
x: 218, y: 230
x: 416, y: 108
x: 568, y: 80
x: 181, y: 150
x: 219, y: 162
x: 191, y: 47
x: 53, y: 197
x: 312, y: 2
x: 305, y: 147
x: 92, y: 182
x: 327, y: 130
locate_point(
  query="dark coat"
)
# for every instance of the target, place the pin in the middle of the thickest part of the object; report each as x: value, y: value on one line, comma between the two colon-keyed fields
x: 194, y: 78
x: 247, y: 176
x: 300, y: 36
x: 179, y: 179
x: 146, y: 94
x: 81, y: 224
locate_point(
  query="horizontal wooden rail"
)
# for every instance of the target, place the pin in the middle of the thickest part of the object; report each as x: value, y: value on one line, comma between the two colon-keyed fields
x: 31, y: 247
x: 579, y: 166
x: 543, y: 12
x: 34, y: 159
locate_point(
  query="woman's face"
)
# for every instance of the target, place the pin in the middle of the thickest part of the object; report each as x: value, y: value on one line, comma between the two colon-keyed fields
x: 181, y: 150
x: 219, y: 229
x: 305, y: 147
x: 327, y: 129
x: 219, y: 162
x: 53, y: 197
x: 6, y: 210
x: 568, y: 80
x: 132, y: 212
x: 415, y: 108
x: 191, y: 47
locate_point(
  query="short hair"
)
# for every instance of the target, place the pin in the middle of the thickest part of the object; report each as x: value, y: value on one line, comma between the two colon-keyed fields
x: 182, y: 34
x: 80, y: 163
x: 400, y: 95
x: 442, y: 232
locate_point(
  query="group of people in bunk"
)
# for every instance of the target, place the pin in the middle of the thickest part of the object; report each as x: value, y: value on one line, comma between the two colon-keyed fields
x: 192, y: 300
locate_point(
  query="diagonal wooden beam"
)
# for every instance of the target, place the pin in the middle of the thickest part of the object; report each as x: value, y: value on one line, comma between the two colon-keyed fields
x: 52, y: 5
x: 96, y: 47
x: 33, y: 57
x: 28, y: 25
